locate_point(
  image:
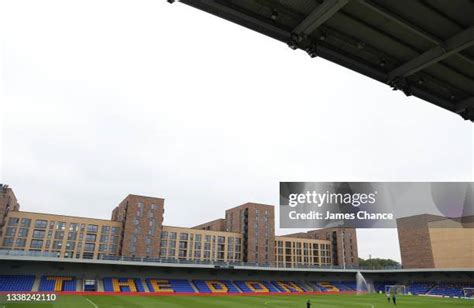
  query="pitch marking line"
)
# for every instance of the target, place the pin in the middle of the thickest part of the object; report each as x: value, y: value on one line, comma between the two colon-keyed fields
x: 92, y: 303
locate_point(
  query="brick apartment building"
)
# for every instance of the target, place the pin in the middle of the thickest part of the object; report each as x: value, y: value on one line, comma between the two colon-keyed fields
x: 8, y: 203
x: 141, y: 221
x: 246, y: 234
x: 430, y: 241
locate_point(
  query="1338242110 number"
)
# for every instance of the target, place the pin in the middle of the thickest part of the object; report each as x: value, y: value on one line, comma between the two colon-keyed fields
x: 31, y: 297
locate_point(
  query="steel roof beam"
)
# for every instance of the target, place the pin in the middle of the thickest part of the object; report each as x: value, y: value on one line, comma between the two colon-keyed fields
x: 463, y: 105
x: 451, y: 46
x: 248, y: 18
x: 243, y: 18
x: 407, y: 25
x: 318, y: 16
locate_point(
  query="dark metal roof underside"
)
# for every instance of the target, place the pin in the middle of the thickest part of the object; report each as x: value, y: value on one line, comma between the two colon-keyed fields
x: 424, y: 48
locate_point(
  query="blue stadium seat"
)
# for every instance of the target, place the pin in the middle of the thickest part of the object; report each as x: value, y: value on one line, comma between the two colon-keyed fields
x: 450, y: 289
x: 232, y: 287
x: 270, y: 286
x: 201, y: 286
x: 16, y: 283
x: 181, y: 286
x: 345, y: 286
x: 315, y: 286
x: 419, y: 288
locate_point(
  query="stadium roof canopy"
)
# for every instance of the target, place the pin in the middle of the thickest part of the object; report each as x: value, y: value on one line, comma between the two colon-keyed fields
x: 424, y: 48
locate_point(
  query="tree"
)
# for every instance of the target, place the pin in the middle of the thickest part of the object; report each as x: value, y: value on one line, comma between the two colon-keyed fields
x: 378, y: 263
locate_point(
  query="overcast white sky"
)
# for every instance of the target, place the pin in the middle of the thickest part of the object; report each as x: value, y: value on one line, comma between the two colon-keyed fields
x: 100, y: 99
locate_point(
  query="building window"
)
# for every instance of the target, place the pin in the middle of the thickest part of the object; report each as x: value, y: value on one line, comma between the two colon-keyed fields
x: 115, y: 230
x: 25, y: 222
x: 13, y: 221
x: 90, y: 237
x: 88, y: 255
x: 72, y: 236
x: 41, y: 223
x: 38, y: 234
x: 105, y: 229
x: 11, y: 231
x: 20, y: 242
x: 37, y: 244
x: 92, y: 228
x: 89, y: 247
x: 183, y: 236
x: 57, y: 244
x: 137, y: 229
x: 70, y: 245
x: 23, y: 232
x: 59, y: 235
x: 164, y: 243
x: 8, y: 242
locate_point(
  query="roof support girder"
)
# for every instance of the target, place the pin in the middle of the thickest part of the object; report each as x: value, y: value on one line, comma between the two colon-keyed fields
x: 318, y: 16
x: 231, y: 13
x: 460, y: 41
x: 463, y: 105
x: 407, y: 25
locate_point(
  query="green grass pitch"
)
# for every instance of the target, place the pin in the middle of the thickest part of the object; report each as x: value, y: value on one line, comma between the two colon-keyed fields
x: 318, y: 301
